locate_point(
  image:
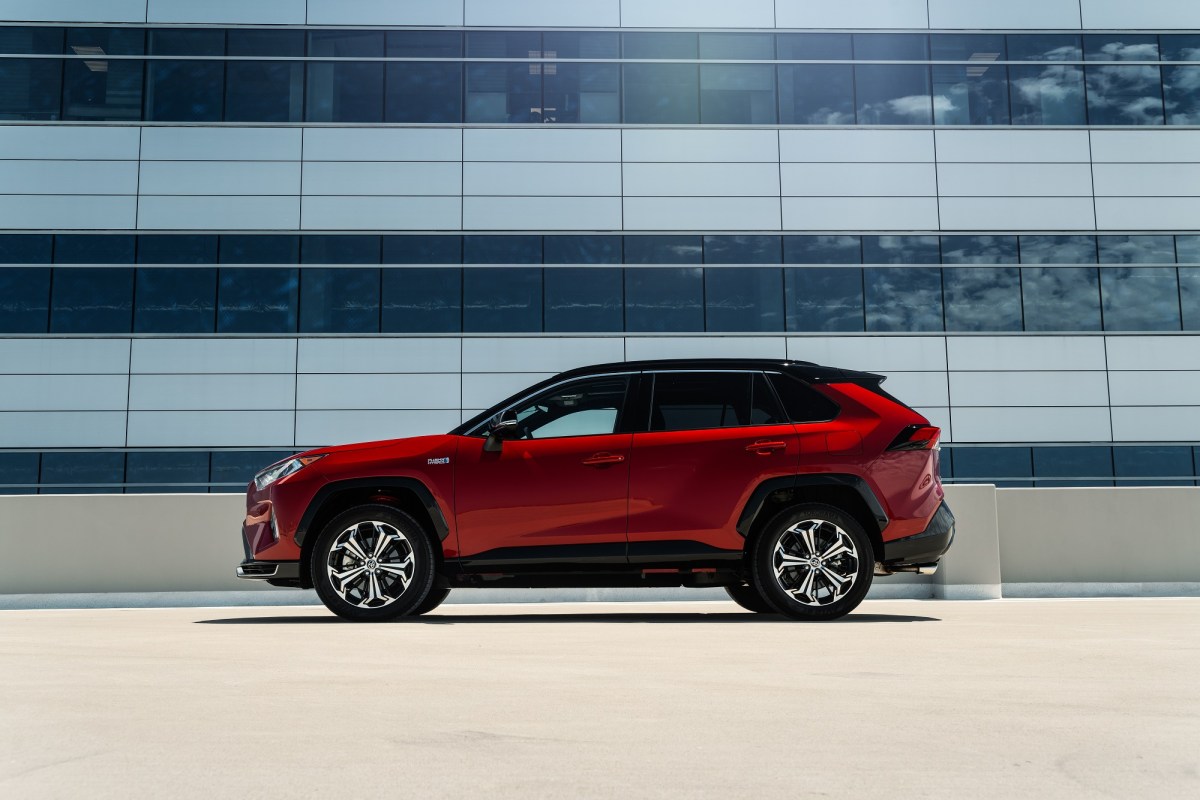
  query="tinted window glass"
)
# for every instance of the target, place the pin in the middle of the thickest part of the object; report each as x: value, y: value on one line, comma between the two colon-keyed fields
x: 504, y: 92
x: 582, y: 249
x: 743, y: 299
x: 666, y: 299
x: 764, y: 405
x: 892, y: 95
x: 982, y: 48
x: 24, y: 249
x: 24, y: 299
x: 1157, y: 463
x: 1087, y: 466
x: 424, y: 44
x: 347, y: 91
x: 502, y: 250
x: 177, y: 249
x: 1058, y: 249
x: 970, y: 95
x: 816, y: 94
x: 336, y: 43
x: 106, y: 41
x: 584, y: 299
x: 185, y: 91
x: 1004, y: 466
x: 1046, y: 95
x: 662, y: 93
x: 1120, y: 47
x: 737, y: 94
x: 814, y: 46
x: 822, y: 250
x: 663, y: 250
x: 1060, y: 298
x: 891, y: 47
x: 907, y: 299
x: 1126, y: 95
x: 18, y: 473
x: 187, y: 42
x: 1187, y: 249
x: 92, y: 300
x: 420, y: 300
x: 504, y: 44
x: 697, y: 400
x: 737, y: 46
x: 581, y: 93
x: 1140, y: 298
x: 247, y: 249
x: 900, y: 250
x: 82, y: 473
x: 583, y: 408
x: 502, y: 300
x: 257, y: 300
x: 175, y: 473
x: 422, y: 249
x: 93, y: 249
x: 1189, y: 297
x: 1181, y: 96
x: 31, y: 40
x: 1045, y: 47
x: 424, y: 92
x: 741, y: 250
x: 1180, y: 47
x: 176, y: 300
x: 264, y: 91
x: 574, y: 44
x: 1136, y: 249
x: 289, y: 44
x: 29, y: 88
x: 983, y: 299
x: 824, y: 299
x: 334, y: 300
x: 659, y: 45
x: 979, y: 250
x: 339, y: 250
x: 803, y: 404
x: 95, y: 89
x: 238, y: 468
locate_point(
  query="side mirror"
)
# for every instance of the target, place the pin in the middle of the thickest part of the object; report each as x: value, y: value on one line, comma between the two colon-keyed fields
x: 504, y: 429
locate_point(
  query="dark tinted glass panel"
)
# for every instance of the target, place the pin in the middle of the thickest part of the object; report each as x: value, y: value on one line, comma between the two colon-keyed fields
x: 1189, y: 297
x: 664, y: 299
x: 822, y: 250
x: 246, y: 249
x: 18, y: 473
x: 82, y: 473
x: 584, y: 300
x: 187, y: 42
x: 348, y: 91
x: 287, y: 44
x: 422, y: 250
x: 737, y: 94
x: 238, y: 469
x: 891, y: 47
x: 1045, y: 47
x: 504, y: 44
x: 93, y: 249
x: 1089, y: 466
x: 1181, y: 93
x: 180, y: 249
x: 695, y: 400
x: 741, y: 250
x: 339, y: 300
x: 502, y: 250
x: 106, y: 41
x: 24, y: 299
x: 900, y: 250
x: 257, y: 300
x: 983, y: 299
x: 1120, y: 47
x: 1058, y: 249
x: 339, y: 250
x: 31, y: 41
x: 1156, y: 463
x: 814, y: 46
x: 368, y: 44
x: 424, y: 92
x: 981, y: 48
x: 743, y: 299
x: 175, y: 473
x: 1180, y: 47
x: 659, y: 45
x: 424, y: 44
x: 1004, y: 466
x: 29, y: 88
x: 502, y: 300
x: 662, y: 93
x: 181, y: 300
x: 824, y: 299
x: 1136, y: 249
x: 663, y: 250
x: 504, y: 93
x: 24, y: 249
x: 1060, y: 298
x: 802, y: 403
x: 816, y: 94
x: 1187, y: 249
x: 946, y: 463
x: 764, y: 405
x: 1046, y: 95
x: 264, y: 91
x: 102, y: 90
x: 903, y: 299
x: 185, y: 91
x: 92, y: 300
x: 574, y: 44
x: 582, y: 93
x: 1127, y: 95
x: 737, y: 46
x: 970, y: 95
x: 979, y: 250
x: 1140, y: 298
x: 422, y: 300
x: 582, y: 249
x: 892, y: 95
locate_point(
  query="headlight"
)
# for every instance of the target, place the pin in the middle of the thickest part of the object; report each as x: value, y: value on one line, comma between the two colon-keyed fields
x: 281, y: 470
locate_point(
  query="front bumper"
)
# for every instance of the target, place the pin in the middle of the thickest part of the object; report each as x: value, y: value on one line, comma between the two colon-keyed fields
x: 925, y: 547
x: 277, y: 573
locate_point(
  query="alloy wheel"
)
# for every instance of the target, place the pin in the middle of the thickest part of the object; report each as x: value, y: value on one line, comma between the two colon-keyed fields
x: 370, y: 564
x: 815, y: 561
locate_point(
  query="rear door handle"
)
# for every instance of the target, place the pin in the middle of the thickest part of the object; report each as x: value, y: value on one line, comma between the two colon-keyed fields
x: 600, y: 459
x: 765, y: 448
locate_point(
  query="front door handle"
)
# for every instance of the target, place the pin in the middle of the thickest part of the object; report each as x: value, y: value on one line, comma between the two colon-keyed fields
x: 600, y: 459
x: 764, y: 448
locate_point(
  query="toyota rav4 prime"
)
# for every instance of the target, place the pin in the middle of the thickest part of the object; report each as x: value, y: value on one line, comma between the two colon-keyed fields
x: 787, y: 483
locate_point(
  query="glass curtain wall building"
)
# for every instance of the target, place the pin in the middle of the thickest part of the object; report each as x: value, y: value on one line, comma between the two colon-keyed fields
x: 228, y: 233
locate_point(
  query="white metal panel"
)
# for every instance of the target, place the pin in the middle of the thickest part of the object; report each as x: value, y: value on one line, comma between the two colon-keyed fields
x: 1029, y: 389
x: 699, y: 180
x: 217, y: 356
x: 702, y: 213
x: 63, y: 392
x: 542, y: 179
x: 68, y: 177
x: 543, y: 213
x: 1025, y: 146
x: 68, y: 212
x: 210, y: 392
x: 856, y: 145
x: 919, y: 389
x: 728, y: 146
x: 62, y: 428
x: 220, y: 144
x: 859, y: 180
x: 1014, y: 180
x: 1153, y: 352
x: 381, y: 213
x: 88, y: 11
x: 1147, y: 180
x: 1017, y: 213
x: 642, y: 347
x: 69, y: 142
x: 259, y: 12
x: 211, y: 428
x: 64, y: 356
x: 1156, y: 424
x: 377, y: 391
x: 851, y: 14
x: 1140, y: 15
x: 220, y: 177
x: 543, y: 13
x: 697, y: 14
x: 382, y: 144
x: 882, y: 354
x: 483, y: 390
x: 1162, y: 145
x: 160, y: 212
x: 428, y: 178
x: 999, y: 424
x: 541, y: 144
x: 1011, y: 14
x: 1178, y: 387
x: 860, y: 213
x: 538, y: 354
x: 1147, y: 213
x: 385, y: 12
x: 320, y: 428
x: 1019, y: 353
x: 383, y: 354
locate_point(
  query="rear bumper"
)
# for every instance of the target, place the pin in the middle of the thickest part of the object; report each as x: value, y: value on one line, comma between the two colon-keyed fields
x: 277, y: 573
x: 925, y: 547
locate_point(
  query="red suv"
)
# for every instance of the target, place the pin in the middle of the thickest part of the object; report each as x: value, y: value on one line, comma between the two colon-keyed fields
x: 787, y: 483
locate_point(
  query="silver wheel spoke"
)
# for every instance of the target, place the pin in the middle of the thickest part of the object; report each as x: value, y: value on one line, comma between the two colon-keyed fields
x: 349, y: 574
x: 809, y: 539
x: 381, y: 541
x: 352, y: 544
x: 825, y: 569
x: 367, y: 580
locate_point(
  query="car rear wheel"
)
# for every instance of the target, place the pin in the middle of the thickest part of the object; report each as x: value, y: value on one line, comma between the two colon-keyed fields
x: 373, y: 563
x: 813, y: 562
x: 748, y: 598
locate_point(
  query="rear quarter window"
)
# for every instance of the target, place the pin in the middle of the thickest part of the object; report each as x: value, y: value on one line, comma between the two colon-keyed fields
x: 801, y: 402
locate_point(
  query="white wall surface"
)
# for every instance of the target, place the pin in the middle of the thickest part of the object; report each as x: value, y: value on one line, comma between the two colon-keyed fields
x: 256, y: 12
x: 1014, y: 14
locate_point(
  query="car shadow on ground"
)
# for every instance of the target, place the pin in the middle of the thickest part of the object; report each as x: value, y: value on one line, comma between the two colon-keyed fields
x: 734, y: 618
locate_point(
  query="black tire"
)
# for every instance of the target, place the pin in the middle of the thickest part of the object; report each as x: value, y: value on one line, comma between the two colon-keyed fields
x: 748, y: 598
x: 820, y: 597
x: 377, y: 592
x: 437, y: 595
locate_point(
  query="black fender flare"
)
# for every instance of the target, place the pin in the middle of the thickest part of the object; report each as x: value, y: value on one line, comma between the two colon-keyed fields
x: 441, y: 528
x: 758, y: 497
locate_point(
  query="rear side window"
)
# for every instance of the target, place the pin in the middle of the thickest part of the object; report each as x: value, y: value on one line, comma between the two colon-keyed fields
x: 801, y: 402
x: 696, y: 400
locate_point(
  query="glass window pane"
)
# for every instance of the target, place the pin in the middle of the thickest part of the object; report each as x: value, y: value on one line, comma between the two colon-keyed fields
x: 339, y: 300
x: 257, y: 300
x: 946, y: 464
x: 504, y: 44
x: 892, y: 95
x: 1187, y: 249
x: 659, y: 45
x: 663, y: 250
x: 19, y: 473
x: 24, y: 299
x: 816, y: 94
x: 983, y: 299
x: 900, y: 250
x: 981, y: 48
x: 322, y: 249
x: 502, y: 300
x: 343, y: 44
x: 22, y: 248
x: 92, y: 300
x: 173, y: 473
x: 424, y: 92
x: 764, y: 405
x: 824, y: 299
x: 30, y: 88
x: 743, y: 299
x: 502, y: 250
x: 696, y: 400
x: 1156, y: 464
x: 176, y: 249
x: 187, y: 42
x: 822, y: 250
x: 422, y: 249
x: 814, y: 46
x: 175, y: 300
x: 737, y: 94
x: 1046, y: 95
x: 584, y: 299
x: 979, y: 250
x: 1060, y: 298
x: 662, y: 93
x: 582, y: 408
x: 250, y: 42
x: 93, y: 249
x: 1120, y: 47
x: 96, y: 89
x: 1127, y: 95
x: 264, y: 91
x: 345, y: 91
x: 185, y: 91
x: 237, y: 469
x: 83, y: 473
x: 422, y: 300
x: 1180, y: 47
x: 1084, y: 466
x: 424, y: 44
x: 970, y: 95
x: 1044, y: 47
x: 998, y: 465
x: 1136, y: 249
x: 504, y: 93
x: 576, y: 44
x: 1189, y: 297
x: 1140, y: 298
x: 741, y: 250
x: 31, y: 40
x: 664, y: 299
x: 905, y: 299
x: 582, y: 249
x: 250, y: 249
x: 803, y: 404
x: 1181, y: 92
x: 582, y: 93
x: 891, y: 47
x: 737, y: 46
x: 1058, y: 249
x: 106, y: 41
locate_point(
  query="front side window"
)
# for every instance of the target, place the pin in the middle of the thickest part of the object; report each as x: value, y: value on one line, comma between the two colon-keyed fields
x: 589, y: 407
x: 685, y: 401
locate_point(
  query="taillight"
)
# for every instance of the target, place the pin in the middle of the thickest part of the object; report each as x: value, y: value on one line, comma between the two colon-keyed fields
x: 917, y: 437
